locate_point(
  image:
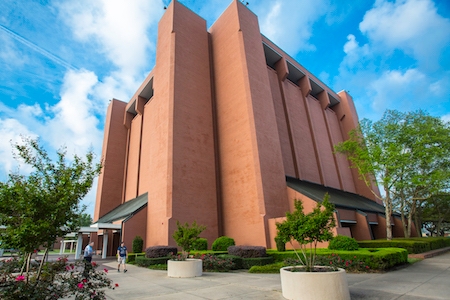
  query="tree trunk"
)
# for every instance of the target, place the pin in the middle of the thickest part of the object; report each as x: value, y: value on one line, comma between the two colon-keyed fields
x: 388, y: 211
x: 405, y: 227
x: 412, y: 212
x: 408, y: 232
x: 418, y: 224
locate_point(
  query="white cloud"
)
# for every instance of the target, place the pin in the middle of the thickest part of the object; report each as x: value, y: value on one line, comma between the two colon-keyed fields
x: 446, y: 118
x: 351, y: 44
x: 356, y: 57
x: 74, y: 122
x: 380, y: 76
x: 288, y: 23
x: 118, y: 27
x: 11, y: 131
x: 397, y: 90
x: 413, y: 26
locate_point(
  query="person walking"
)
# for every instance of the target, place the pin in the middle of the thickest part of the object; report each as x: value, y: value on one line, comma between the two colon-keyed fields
x: 88, y: 252
x: 122, y: 254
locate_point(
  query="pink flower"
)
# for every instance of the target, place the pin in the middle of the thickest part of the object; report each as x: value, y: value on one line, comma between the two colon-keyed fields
x: 106, y: 270
x: 94, y: 264
x: 20, y: 278
x: 85, y: 280
x: 80, y: 285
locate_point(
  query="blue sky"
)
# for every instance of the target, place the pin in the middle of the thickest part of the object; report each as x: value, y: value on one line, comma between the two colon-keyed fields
x: 62, y: 61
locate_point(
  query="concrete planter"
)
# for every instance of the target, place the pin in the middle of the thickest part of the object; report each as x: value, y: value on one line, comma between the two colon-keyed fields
x: 185, y: 268
x: 314, y: 285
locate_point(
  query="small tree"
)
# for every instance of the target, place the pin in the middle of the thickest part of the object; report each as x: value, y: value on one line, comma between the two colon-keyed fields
x: 38, y: 208
x: 186, y: 235
x: 308, y: 229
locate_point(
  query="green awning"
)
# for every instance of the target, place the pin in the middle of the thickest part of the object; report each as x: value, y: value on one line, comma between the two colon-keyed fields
x: 125, y: 210
x: 339, y: 198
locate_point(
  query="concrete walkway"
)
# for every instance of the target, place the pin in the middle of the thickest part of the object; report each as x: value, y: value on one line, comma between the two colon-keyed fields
x: 427, y: 279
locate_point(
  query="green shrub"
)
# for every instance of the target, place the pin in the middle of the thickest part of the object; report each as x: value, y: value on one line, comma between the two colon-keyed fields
x: 200, y: 244
x: 222, y: 243
x: 342, y: 242
x: 281, y: 245
x: 143, y: 261
x: 138, y: 244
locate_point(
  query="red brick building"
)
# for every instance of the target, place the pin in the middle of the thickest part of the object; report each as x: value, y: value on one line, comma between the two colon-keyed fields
x: 227, y: 130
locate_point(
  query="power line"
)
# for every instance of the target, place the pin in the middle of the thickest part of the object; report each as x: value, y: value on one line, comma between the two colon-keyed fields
x: 38, y: 49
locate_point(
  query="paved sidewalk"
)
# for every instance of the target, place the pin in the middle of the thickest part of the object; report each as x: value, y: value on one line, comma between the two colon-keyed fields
x: 427, y: 279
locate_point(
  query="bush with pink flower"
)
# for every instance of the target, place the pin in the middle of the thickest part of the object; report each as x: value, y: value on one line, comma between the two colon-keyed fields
x: 53, y: 280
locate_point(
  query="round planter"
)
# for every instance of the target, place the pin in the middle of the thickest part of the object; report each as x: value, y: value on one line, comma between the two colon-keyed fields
x: 314, y: 285
x: 185, y: 268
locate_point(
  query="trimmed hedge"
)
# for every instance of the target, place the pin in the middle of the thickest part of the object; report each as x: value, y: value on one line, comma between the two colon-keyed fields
x: 132, y: 256
x: 145, y: 262
x: 247, y: 251
x: 412, y: 245
x: 237, y: 261
x: 160, y: 251
x: 272, y: 268
x: 373, y: 259
x: 247, y: 263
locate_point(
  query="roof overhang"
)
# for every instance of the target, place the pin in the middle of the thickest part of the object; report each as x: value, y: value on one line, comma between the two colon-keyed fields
x: 340, y: 199
x: 95, y: 227
x: 122, y: 212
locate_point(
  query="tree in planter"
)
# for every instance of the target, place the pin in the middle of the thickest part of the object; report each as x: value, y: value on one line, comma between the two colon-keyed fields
x: 186, y: 235
x: 308, y: 229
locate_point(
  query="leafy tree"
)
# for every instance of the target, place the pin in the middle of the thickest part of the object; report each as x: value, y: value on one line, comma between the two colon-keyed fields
x: 85, y: 220
x: 407, y: 154
x: 37, y: 208
x: 435, y: 214
x: 186, y: 235
x: 308, y: 229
